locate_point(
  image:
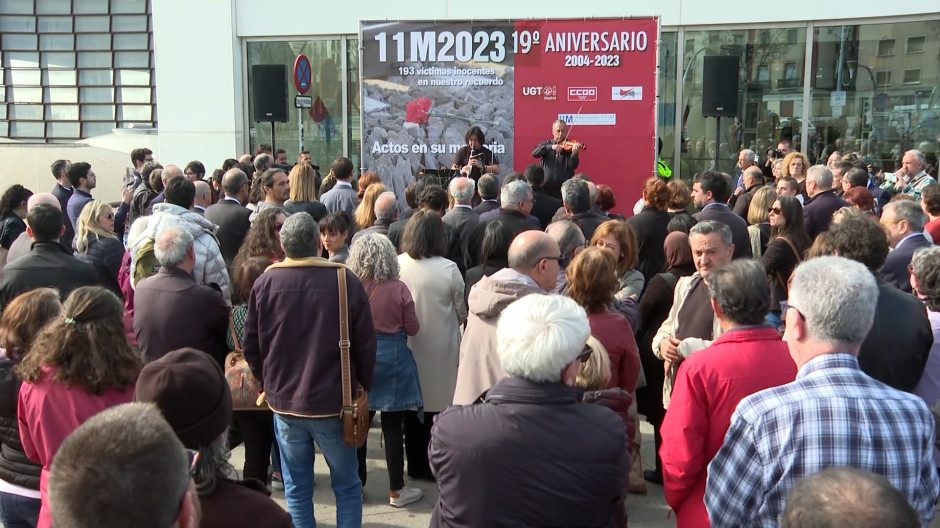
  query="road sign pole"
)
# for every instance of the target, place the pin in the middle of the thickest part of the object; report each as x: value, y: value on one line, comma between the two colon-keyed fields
x: 300, y: 130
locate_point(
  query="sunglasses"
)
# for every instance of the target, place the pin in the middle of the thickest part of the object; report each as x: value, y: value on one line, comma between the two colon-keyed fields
x: 774, y: 210
x: 585, y: 354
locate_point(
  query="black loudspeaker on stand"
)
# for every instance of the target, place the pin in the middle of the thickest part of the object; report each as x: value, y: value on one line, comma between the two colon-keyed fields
x: 720, y: 91
x: 269, y: 88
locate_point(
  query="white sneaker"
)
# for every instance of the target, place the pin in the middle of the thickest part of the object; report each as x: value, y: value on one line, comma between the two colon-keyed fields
x: 404, y: 496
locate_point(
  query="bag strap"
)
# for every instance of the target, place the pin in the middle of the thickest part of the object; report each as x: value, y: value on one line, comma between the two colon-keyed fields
x: 792, y: 247
x: 231, y: 329
x: 344, y: 337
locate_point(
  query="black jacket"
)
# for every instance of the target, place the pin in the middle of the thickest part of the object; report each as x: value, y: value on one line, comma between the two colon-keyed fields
x: 650, y: 227
x: 588, y: 222
x: 513, y: 221
x: 315, y: 209
x: 544, y: 206
x: 894, y: 270
x: 15, y: 467
x: 559, y: 167
x: 63, y: 195
x: 817, y: 214
x: 722, y: 213
x: 489, y: 457
x: 105, y: 255
x: 463, y: 221
x: 896, y: 348
x: 46, y: 266
x: 233, y: 222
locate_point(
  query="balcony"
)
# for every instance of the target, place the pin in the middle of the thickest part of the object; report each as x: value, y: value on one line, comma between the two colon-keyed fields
x: 788, y: 83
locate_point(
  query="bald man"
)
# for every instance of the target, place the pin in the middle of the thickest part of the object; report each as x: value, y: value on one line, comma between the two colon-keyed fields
x: 203, y: 197
x: 21, y: 245
x: 753, y: 180
x: 169, y: 172
x: 533, y: 268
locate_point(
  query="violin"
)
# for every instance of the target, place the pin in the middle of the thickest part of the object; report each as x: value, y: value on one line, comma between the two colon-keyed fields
x: 568, y: 144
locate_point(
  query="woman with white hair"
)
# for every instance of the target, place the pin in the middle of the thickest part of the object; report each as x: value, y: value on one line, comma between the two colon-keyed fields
x: 395, y: 387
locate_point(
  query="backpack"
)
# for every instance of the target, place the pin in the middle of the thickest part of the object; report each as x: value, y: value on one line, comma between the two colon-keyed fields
x: 147, y: 263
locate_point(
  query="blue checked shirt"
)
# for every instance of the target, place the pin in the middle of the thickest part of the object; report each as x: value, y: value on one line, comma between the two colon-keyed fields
x: 831, y: 415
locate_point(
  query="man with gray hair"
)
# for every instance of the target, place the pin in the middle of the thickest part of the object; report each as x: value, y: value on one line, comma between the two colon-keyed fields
x: 261, y: 164
x: 837, y: 497
x: 169, y: 172
x: 461, y: 217
x: 515, y: 207
x: 576, y: 197
x: 513, y: 441
x: 231, y: 215
x: 903, y: 222
x: 817, y: 214
x: 911, y: 178
x: 292, y: 344
x: 746, y: 158
x: 21, y: 246
x: 386, y: 211
x: 832, y: 415
x: 692, y: 324
x: 571, y: 241
x: 488, y: 189
x: 123, y: 467
x: 533, y: 268
x: 172, y: 310
x: 748, y: 357
x: 753, y: 180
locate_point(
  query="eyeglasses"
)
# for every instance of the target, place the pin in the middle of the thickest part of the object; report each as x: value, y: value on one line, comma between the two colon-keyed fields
x: 585, y: 354
x: 784, y: 306
x: 774, y: 210
x: 558, y: 258
x: 192, y: 458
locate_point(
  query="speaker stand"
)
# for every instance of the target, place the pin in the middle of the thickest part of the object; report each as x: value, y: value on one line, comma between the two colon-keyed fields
x: 717, y: 140
x: 273, y: 142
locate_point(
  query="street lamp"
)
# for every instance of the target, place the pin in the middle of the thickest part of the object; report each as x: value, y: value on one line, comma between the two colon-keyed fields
x: 853, y: 66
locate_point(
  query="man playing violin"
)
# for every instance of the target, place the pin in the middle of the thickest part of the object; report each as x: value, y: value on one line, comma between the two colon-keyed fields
x: 559, y: 158
x: 474, y: 159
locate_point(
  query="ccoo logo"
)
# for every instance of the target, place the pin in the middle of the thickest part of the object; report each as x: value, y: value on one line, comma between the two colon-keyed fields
x: 582, y: 93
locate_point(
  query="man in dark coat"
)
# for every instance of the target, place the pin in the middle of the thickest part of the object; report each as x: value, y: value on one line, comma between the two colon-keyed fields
x: 896, y: 348
x: 753, y: 180
x: 516, y: 200
x: 461, y: 217
x: 63, y: 191
x: 711, y: 191
x: 576, y: 199
x: 171, y: 310
x: 817, y: 214
x: 488, y: 189
x: 530, y: 431
x: 545, y: 205
x: 559, y: 163
x: 903, y: 222
x: 47, y: 265
x: 386, y: 210
x: 231, y: 215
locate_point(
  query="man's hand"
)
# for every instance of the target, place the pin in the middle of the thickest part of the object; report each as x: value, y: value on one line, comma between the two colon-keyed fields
x: 576, y: 148
x: 127, y: 195
x: 669, y: 349
x: 557, y: 147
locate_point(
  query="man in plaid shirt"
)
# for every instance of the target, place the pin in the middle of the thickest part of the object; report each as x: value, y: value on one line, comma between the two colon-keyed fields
x: 832, y: 415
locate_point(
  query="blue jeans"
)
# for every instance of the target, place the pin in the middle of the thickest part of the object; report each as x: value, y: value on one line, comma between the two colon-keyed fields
x: 295, y: 437
x: 17, y: 511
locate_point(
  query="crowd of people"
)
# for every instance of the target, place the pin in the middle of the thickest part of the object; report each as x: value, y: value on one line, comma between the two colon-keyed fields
x: 778, y: 332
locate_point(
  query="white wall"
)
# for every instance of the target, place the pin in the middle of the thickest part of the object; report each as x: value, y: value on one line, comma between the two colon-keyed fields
x: 198, y: 64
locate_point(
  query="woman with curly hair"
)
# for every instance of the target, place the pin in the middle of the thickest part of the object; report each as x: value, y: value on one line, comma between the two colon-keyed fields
x: 619, y: 238
x: 303, y: 192
x: 12, y: 214
x: 19, y: 476
x: 78, y: 365
x: 395, y: 388
x: 365, y: 211
x: 795, y: 165
x: 263, y: 238
x: 96, y: 242
x: 651, y: 226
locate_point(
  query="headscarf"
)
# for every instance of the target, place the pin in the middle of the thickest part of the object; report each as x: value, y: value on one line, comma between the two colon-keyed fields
x: 678, y: 251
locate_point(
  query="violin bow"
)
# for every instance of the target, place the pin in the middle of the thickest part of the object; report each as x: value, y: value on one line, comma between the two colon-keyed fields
x: 573, y: 122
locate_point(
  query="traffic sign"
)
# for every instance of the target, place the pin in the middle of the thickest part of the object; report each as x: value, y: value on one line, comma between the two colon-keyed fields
x: 302, y: 74
x: 303, y: 101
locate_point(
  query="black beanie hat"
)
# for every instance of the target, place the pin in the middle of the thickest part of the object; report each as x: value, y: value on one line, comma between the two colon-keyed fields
x: 189, y: 388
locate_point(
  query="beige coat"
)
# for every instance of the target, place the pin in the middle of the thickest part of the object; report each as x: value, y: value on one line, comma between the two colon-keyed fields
x: 479, y: 364
x: 437, y: 288
x: 669, y: 329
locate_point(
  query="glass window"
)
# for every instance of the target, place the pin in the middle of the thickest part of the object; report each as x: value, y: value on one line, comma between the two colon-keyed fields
x: 888, y: 102
x: 20, y: 59
x: 668, y: 49
x: 97, y: 112
x: 93, y: 41
x: 55, y: 24
x: 18, y: 94
x: 131, y: 59
x: 16, y: 7
x: 916, y: 44
x: 769, y: 94
x: 96, y: 129
x: 91, y: 7
x: 94, y: 59
x: 4, y: 127
x: 133, y: 95
x: 59, y: 77
x: 134, y: 112
x: 60, y: 95
x: 3, y: 109
x: 25, y: 77
x: 92, y: 24
x: 58, y: 59
x: 60, y: 130
x: 94, y: 77
x: 29, y: 112
x: 19, y: 24
x: 131, y: 41
x: 27, y: 129
x: 54, y: 7
x: 132, y: 77
x: 62, y: 112
x: 129, y: 23
x: 56, y: 42
x: 96, y: 95
x: 128, y: 6
x: 15, y: 41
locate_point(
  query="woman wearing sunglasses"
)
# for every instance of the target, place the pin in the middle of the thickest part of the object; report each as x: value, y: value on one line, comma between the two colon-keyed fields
x: 788, y: 243
x: 96, y: 242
